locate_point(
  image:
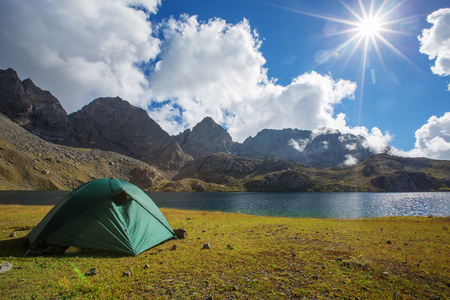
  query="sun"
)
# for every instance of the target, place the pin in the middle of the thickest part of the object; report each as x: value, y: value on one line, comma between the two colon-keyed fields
x: 370, y: 27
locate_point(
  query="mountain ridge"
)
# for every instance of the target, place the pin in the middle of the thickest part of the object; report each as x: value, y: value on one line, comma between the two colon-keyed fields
x: 202, y: 159
x: 111, y: 123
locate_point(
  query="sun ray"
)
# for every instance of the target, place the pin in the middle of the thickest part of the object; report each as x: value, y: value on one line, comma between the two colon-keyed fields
x: 397, y: 51
x: 380, y: 57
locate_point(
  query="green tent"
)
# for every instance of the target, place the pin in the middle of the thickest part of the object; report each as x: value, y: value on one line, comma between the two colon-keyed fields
x: 105, y: 214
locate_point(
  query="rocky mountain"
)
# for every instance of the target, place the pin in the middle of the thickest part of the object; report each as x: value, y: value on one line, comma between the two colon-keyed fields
x: 115, y: 125
x: 111, y: 137
x: 36, y: 110
x: 110, y: 124
x: 207, y: 137
x: 327, y: 149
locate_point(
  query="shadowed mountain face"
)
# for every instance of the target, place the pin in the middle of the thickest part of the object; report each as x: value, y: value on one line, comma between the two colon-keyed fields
x: 106, y: 123
x: 205, y: 138
x: 115, y: 125
x: 32, y: 108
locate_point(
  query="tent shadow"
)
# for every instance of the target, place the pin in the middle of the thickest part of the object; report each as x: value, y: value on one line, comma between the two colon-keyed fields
x: 18, y: 247
x: 14, y: 247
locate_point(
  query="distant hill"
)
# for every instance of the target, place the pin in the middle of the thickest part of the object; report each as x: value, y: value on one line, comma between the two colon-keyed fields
x: 377, y: 173
x: 111, y: 137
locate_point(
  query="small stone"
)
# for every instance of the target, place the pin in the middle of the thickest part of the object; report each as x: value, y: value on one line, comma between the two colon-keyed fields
x: 91, y: 272
x: 174, y: 247
x: 13, y: 234
x: 206, y: 246
x: 5, y: 266
x: 229, y: 247
x: 146, y: 266
x: 385, y: 273
x: 181, y: 233
x: 126, y: 274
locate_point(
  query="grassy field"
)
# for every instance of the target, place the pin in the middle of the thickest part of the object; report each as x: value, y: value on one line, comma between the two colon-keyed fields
x: 271, y: 258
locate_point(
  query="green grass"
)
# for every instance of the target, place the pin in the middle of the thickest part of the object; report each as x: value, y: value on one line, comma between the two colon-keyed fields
x: 273, y: 258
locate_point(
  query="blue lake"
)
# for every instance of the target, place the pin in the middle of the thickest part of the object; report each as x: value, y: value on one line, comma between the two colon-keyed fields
x: 303, y: 205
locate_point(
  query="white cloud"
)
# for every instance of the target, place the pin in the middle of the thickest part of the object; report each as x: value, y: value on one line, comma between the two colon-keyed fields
x: 349, y: 160
x: 216, y: 69
x: 432, y: 139
x: 435, y: 42
x: 79, y: 49
x: 299, y: 145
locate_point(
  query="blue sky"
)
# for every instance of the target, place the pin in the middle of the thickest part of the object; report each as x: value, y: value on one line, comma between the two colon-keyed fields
x: 249, y: 64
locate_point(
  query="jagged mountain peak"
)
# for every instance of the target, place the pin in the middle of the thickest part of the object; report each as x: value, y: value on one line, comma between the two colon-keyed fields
x: 32, y: 108
x: 205, y: 138
x: 114, y: 124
